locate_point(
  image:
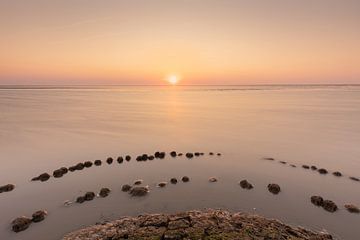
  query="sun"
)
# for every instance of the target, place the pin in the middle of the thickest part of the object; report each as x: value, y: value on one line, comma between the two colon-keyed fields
x: 173, y: 79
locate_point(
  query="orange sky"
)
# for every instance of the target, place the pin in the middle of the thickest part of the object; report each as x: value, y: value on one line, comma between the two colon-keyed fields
x: 204, y: 41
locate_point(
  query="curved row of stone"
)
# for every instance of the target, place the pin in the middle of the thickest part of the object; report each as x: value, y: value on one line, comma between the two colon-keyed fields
x: 322, y: 171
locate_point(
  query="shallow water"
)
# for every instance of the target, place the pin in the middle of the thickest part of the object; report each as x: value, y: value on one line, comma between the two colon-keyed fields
x: 46, y: 128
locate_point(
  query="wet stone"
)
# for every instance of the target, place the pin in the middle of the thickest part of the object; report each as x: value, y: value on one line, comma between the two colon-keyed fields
x: 126, y: 188
x: 282, y: 162
x: 7, y: 188
x: 151, y: 157
x: 173, y: 180
x: 58, y: 173
x: 355, y: 179
x: 39, y: 216
x: 42, y: 177
x: 104, y: 192
x: 180, y: 154
x: 79, y: 166
x: 162, y: 184
x: 88, y: 164
x: 139, y: 191
x: 189, y: 155
x: 21, y: 224
x: 322, y: 171
x: 173, y: 154
x: 80, y: 199
x: 352, y: 208
x: 128, y: 158
x: 144, y: 157
x: 72, y: 169
x: 89, y: 196
x: 292, y: 165
x: 274, y: 188
x: 211, y: 153
x: 138, y: 182
x: 245, y: 184
x: 269, y: 158
x: 97, y: 162
x: 185, y: 179
x: 213, y: 179
x: 197, y: 154
x: 120, y: 159
x: 337, y: 174
x: 317, y: 200
x: 313, y: 168
x: 219, y: 154
x: 329, y: 206
x: 305, y: 167
x: 109, y: 160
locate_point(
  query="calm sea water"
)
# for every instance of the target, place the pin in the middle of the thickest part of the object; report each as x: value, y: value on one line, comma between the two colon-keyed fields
x: 46, y: 128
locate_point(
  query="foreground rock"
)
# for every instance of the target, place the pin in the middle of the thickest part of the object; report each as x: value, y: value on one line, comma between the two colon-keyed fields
x: 39, y: 216
x: 245, y: 184
x: 207, y: 225
x: 7, y: 188
x: 139, y: 191
x: 274, y: 188
x: 20, y: 224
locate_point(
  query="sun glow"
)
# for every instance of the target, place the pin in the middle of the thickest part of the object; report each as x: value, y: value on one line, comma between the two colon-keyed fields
x: 173, y: 79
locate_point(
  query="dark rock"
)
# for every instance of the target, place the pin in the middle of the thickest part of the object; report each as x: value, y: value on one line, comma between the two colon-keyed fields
x: 139, y: 191
x: 58, y: 173
x: 322, y: 171
x: 329, y: 206
x: 88, y: 164
x: 245, y: 184
x: 354, y: 179
x: 317, y: 200
x: 292, y: 165
x: 173, y: 154
x: 151, y: 157
x: 180, y: 154
x: 352, y: 208
x: 20, y: 224
x: 157, y: 154
x: 162, y: 155
x: 127, y: 158
x: 139, y: 158
x: 138, y: 182
x: 173, y: 180
x: 274, y: 188
x: 282, y: 162
x: 313, y: 168
x: 213, y: 179
x: 211, y: 153
x: 97, y: 162
x: 337, y: 174
x: 189, y: 155
x: 185, y: 179
x: 109, y: 160
x: 64, y: 170
x: 269, y: 158
x: 42, y: 177
x: 7, y: 188
x: 219, y: 154
x: 120, y: 159
x: 144, y: 157
x: 202, y: 154
x: 80, y: 199
x: 72, y: 169
x: 104, y: 192
x: 162, y: 184
x: 79, y: 166
x: 89, y: 196
x: 39, y: 216
x: 126, y: 188
x: 197, y: 154
x: 305, y: 167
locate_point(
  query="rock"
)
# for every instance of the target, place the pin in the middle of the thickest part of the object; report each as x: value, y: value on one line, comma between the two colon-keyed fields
x: 80, y: 199
x: 138, y: 182
x: 7, y: 188
x: 126, y: 188
x: 39, y: 216
x: 180, y: 154
x: 20, y: 224
x: 212, y: 179
x: 189, y: 155
x: 354, y: 179
x: 269, y: 158
x: 64, y: 170
x: 79, y: 166
x: 317, y: 200
x: 197, y: 154
x: 202, y: 154
x: 88, y: 164
x: 162, y: 155
x: 329, y: 206
x: 139, y: 191
x: 89, y: 196
x: 219, y: 154
x: 185, y: 179
x: 157, y: 154
x: 144, y: 157
x: 282, y: 162
x: 97, y: 162
x: 313, y: 168
x: 245, y: 184
x: 151, y: 157
x: 109, y: 160
x: 139, y: 158
x: 322, y: 171
x: 305, y: 167
x: 120, y: 159
x: 104, y: 192
x: 72, y: 169
x: 173, y: 180
x: 58, y: 173
x: 127, y: 158
x: 42, y: 177
x: 162, y: 184
x: 337, y: 174
x: 292, y: 165
x: 67, y: 203
x: 352, y: 208
x: 173, y: 154
x: 211, y: 153
x: 274, y: 188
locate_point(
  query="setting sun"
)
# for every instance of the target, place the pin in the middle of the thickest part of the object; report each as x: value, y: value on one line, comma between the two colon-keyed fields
x: 173, y: 79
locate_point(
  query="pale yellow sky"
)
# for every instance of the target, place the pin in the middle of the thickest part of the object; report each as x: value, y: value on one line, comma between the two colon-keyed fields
x: 203, y: 41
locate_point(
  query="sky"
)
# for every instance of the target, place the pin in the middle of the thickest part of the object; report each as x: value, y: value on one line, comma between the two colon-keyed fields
x: 200, y: 41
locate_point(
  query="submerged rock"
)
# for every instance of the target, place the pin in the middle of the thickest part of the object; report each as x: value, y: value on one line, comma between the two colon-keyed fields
x: 354, y: 179
x: 20, y: 224
x: 329, y: 206
x: 189, y: 155
x: 79, y: 166
x: 305, y: 167
x: 39, y: 216
x: 185, y: 179
x: 128, y: 158
x: 211, y: 153
x: 72, y: 169
x: 120, y: 159
x: 89, y: 196
x: 197, y: 154
x: 317, y: 200
x: 313, y: 168
x: 109, y: 160
x: 213, y: 179
x: 180, y: 154
x: 138, y: 182
x: 126, y: 188
x: 151, y: 157
x: 322, y: 171
x: 352, y: 208
x: 157, y: 154
x: 104, y: 192
x: 173, y: 154
x: 139, y: 191
x: 245, y: 184
x: 7, y: 188
x: 274, y: 188
x: 42, y: 177
x: 162, y: 184
x: 282, y: 162
x: 173, y: 180
x: 144, y: 157
x: 80, y: 199
x: 88, y: 164
x: 162, y: 155
x: 337, y: 174
x: 97, y: 162
x: 58, y: 173
x: 219, y: 154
